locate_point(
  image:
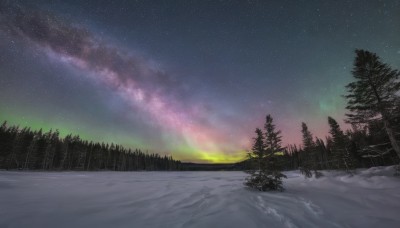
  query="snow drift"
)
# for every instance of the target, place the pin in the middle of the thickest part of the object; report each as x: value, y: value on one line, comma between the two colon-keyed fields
x: 371, y: 198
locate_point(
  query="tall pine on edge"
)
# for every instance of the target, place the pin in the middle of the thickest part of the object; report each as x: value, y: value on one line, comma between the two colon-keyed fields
x: 374, y: 94
x: 265, y: 174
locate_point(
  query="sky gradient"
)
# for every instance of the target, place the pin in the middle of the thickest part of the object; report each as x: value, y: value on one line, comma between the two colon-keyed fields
x: 191, y: 79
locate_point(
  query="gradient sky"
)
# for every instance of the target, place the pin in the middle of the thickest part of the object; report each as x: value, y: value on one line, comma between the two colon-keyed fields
x: 192, y: 79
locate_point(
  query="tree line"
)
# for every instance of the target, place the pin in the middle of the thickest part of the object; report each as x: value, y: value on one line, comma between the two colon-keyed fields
x: 373, y: 104
x: 26, y: 149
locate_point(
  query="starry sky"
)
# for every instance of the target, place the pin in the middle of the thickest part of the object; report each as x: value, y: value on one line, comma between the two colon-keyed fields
x: 191, y: 79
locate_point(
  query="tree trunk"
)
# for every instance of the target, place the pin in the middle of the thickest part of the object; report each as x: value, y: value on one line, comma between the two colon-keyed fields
x: 64, y: 157
x: 27, y: 157
x: 45, y: 160
x: 90, y: 158
x: 392, y: 138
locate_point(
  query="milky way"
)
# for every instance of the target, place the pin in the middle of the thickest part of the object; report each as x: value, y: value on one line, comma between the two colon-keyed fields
x: 199, y: 101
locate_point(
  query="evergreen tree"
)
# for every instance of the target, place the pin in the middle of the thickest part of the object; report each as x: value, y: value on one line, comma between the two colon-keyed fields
x: 374, y: 94
x: 266, y: 172
x: 340, y: 153
x: 273, y: 138
x: 324, y: 152
x: 274, y: 153
x: 310, y: 158
x: 257, y: 179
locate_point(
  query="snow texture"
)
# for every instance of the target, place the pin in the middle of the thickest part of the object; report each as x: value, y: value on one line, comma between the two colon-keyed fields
x: 371, y: 198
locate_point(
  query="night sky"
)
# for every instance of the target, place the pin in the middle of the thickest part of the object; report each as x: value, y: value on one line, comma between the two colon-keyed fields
x: 191, y: 79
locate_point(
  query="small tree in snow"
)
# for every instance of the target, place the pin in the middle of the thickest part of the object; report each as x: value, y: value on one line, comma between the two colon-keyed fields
x: 265, y: 174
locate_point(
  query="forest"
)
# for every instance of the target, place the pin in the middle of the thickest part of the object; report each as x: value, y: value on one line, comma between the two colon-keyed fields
x: 25, y: 149
x: 373, y: 105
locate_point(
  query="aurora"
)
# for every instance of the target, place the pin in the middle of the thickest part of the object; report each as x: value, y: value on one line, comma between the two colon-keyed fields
x: 182, y: 79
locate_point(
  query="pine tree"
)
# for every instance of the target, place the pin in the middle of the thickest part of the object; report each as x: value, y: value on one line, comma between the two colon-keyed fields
x: 266, y: 172
x: 273, y: 138
x: 374, y: 93
x: 256, y: 179
x: 324, y: 152
x: 340, y: 152
x: 274, y: 152
x: 310, y: 160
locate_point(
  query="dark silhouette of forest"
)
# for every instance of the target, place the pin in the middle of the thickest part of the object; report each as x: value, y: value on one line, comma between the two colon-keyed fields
x: 36, y: 150
x: 362, y: 147
x: 373, y: 106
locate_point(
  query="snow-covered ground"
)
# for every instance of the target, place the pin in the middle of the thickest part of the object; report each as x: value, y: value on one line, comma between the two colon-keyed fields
x: 196, y: 199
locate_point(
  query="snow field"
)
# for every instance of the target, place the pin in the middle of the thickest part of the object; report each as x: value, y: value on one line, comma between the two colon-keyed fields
x: 370, y: 198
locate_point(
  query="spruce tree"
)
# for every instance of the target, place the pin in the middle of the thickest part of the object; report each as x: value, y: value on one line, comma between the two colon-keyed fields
x: 265, y: 174
x: 273, y: 138
x: 274, y: 153
x: 324, y: 152
x: 258, y: 178
x: 374, y: 93
x: 310, y: 159
x: 340, y: 152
